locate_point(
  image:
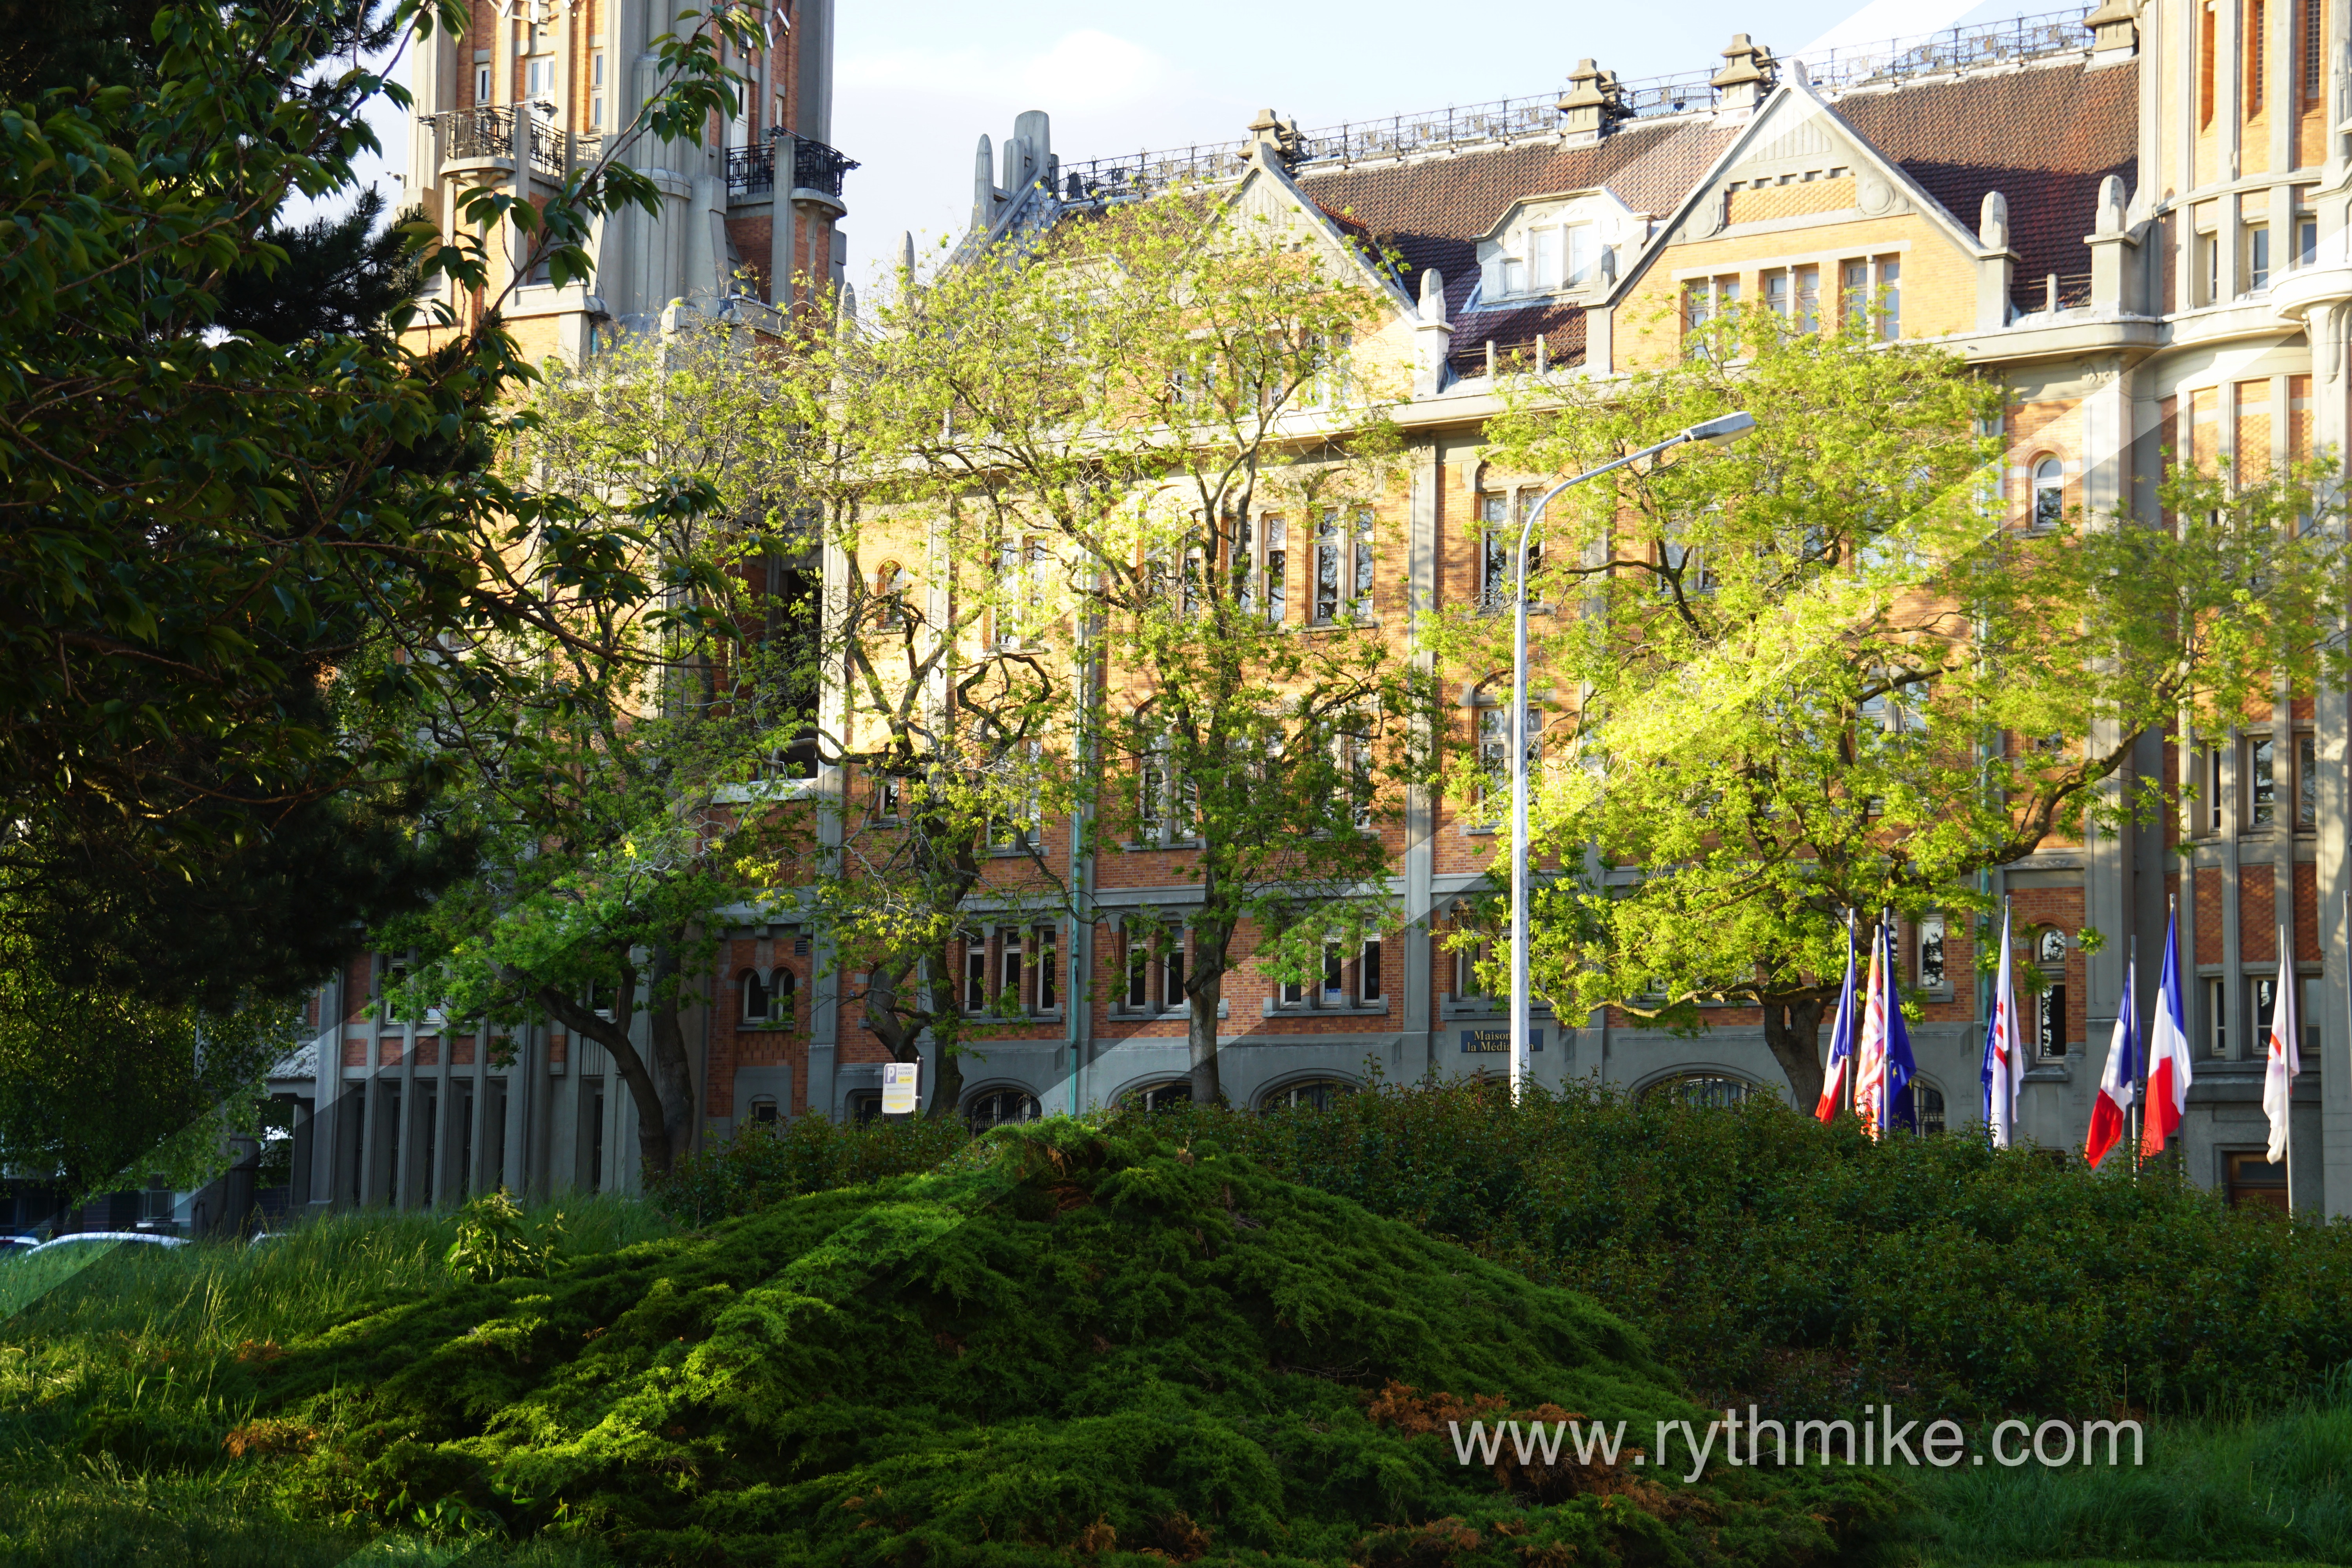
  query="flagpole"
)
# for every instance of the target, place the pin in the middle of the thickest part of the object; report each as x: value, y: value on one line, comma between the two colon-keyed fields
x: 2131, y: 1123
x: 2294, y: 1023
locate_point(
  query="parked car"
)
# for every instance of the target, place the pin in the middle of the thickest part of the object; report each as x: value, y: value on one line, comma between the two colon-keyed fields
x: 87, y: 1237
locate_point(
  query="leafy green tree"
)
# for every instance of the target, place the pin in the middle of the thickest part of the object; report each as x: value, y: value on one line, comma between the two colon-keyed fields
x: 1823, y: 670
x: 625, y: 802
x: 1084, y: 448
x: 237, y: 535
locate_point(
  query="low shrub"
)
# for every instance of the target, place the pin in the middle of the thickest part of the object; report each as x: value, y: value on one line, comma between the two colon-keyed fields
x: 766, y: 1162
x: 1809, y: 1269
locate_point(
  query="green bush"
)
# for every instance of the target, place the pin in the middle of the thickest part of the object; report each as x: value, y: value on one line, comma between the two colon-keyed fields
x: 1069, y: 1341
x: 767, y: 1163
x: 1810, y: 1269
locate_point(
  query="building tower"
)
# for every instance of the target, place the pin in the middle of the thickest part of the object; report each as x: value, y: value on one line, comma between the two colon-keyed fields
x: 534, y: 89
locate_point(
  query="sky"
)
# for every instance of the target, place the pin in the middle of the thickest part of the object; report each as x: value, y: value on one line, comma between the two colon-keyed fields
x: 916, y: 82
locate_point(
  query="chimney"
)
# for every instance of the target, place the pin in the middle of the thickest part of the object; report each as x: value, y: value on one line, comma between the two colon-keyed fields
x: 1432, y: 337
x: 2115, y: 33
x: 1746, y: 76
x: 1279, y: 136
x: 1594, y: 103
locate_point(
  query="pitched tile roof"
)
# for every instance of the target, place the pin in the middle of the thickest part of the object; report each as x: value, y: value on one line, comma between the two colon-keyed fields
x: 2044, y: 137
x: 1433, y: 209
x: 1514, y: 333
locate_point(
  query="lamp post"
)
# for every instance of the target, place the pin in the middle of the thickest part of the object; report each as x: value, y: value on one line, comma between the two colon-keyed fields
x: 1722, y: 432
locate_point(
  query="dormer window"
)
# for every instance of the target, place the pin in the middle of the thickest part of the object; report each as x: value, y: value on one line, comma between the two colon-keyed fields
x: 1515, y: 275
x: 1581, y: 251
x: 1544, y: 247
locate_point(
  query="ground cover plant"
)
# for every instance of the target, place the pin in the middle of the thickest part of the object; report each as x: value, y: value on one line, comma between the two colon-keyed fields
x: 1068, y: 1342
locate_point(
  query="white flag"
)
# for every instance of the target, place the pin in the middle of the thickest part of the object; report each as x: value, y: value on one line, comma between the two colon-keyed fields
x: 2279, y: 1068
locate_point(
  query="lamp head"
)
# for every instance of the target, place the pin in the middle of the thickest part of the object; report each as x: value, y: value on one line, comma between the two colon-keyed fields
x: 1722, y: 431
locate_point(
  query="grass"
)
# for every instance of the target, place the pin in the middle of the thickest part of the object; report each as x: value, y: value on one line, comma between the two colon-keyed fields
x: 97, y: 1341
x: 2236, y: 1490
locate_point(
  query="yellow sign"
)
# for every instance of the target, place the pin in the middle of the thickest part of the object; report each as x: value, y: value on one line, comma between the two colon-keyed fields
x: 899, y: 1087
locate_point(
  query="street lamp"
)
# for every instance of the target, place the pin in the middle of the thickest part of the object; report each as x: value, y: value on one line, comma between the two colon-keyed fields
x: 1722, y: 432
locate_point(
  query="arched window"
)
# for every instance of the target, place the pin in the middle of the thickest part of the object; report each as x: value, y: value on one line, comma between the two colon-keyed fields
x: 755, y: 998
x: 1927, y: 1108
x: 995, y: 1107
x: 2050, y: 1007
x: 2049, y: 492
x: 784, y: 990
x: 1309, y: 1094
x: 1159, y: 1096
x: 764, y: 1111
x: 1712, y: 1090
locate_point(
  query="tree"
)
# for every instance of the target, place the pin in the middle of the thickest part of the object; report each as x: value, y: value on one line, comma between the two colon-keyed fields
x: 1823, y: 672
x: 620, y: 806
x: 1077, y: 450
x: 236, y: 534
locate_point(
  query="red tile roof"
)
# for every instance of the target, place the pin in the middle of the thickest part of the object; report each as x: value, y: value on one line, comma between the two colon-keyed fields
x: 2044, y: 137
x: 1432, y: 210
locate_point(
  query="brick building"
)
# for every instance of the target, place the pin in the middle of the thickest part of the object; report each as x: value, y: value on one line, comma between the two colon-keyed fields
x: 2136, y: 218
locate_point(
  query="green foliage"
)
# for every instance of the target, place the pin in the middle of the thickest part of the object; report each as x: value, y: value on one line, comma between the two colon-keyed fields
x: 491, y: 1244
x: 2216, y: 1491
x: 1819, y: 671
x: 1066, y: 1338
x: 1081, y: 446
x: 1809, y: 1269
x: 764, y: 1164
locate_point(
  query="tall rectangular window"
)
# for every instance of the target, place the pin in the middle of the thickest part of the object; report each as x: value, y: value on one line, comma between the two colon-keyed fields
x: 1343, y: 565
x: 2263, y: 782
x: 1854, y: 291
x: 975, y: 972
x: 1009, y: 964
x: 2217, y: 1015
x: 2205, y: 46
x: 2213, y: 790
x: 1499, y: 542
x: 2306, y: 782
x: 1138, y: 972
x: 1049, y: 970
x: 1277, y: 571
x: 2255, y: 50
x: 1777, y: 294
x: 481, y: 84
x: 1809, y: 298
x: 2306, y: 241
x: 1335, y: 973
x: 1580, y: 253
x: 1171, y: 974
x: 2258, y: 258
x: 539, y: 79
x: 1931, y: 970
x: 1890, y: 298
x: 1241, y: 567
x: 2312, y: 46
x: 1545, y: 245
x: 1368, y: 986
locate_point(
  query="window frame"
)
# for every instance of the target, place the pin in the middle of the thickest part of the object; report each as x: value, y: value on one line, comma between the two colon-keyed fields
x: 2045, y: 492
x: 1344, y: 539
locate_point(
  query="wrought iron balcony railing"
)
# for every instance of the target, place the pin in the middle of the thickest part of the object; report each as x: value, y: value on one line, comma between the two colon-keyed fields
x: 487, y: 132
x: 751, y: 171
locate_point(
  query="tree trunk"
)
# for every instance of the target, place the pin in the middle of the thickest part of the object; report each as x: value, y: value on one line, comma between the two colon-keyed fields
x: 673, y: 1072
x: 1205, y: 988
x: 655, y: 1150
x: 1793, y: 1030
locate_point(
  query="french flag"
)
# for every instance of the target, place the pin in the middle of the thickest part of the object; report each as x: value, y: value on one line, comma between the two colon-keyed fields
x: 2004, y: 1052
x: 2167, y: 1054
x: 2111, y: 1111
x: 1834, y: 1088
